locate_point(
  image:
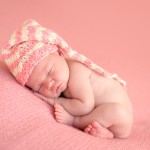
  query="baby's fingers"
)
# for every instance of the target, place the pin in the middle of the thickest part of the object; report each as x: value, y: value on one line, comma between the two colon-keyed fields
x: 40, y: 96
x: 46, y: 99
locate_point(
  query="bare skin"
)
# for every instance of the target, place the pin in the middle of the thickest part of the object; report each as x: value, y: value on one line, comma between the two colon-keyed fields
x: 93, y: 103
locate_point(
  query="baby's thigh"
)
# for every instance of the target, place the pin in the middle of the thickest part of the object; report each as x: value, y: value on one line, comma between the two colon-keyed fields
x: 115, y: 117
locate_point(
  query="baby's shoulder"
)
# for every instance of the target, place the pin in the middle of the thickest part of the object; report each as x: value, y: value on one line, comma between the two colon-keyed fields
x: 79, y: 80
x: 78, y: 73
x: 77, y: 68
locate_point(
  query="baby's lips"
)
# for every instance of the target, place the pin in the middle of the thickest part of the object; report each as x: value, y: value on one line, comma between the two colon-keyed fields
x: 59, y: 87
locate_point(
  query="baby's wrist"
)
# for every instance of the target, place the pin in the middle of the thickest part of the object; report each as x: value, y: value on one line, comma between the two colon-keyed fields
x: 57, y: 100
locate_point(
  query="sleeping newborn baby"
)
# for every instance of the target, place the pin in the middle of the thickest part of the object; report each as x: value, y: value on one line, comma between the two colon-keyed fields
x: 83, y: 94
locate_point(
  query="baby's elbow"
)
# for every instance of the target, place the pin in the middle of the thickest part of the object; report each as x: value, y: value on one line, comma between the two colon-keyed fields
x: 88, y: 107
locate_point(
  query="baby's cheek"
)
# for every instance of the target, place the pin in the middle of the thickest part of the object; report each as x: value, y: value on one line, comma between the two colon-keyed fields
x: 44, y: 91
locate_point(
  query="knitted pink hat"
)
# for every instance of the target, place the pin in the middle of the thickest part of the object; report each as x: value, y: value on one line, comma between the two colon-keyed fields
x: 32, y: 42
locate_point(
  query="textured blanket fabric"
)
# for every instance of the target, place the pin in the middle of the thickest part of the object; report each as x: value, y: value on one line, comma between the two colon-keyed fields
x: 27, y: 123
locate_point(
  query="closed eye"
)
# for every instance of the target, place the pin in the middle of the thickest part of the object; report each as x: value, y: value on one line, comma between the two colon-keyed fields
x: 51, y: 71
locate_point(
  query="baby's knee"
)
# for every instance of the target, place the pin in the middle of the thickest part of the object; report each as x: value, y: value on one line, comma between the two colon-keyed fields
x: 122, y: 124
x: 121, y: 113
x: 121, y: 130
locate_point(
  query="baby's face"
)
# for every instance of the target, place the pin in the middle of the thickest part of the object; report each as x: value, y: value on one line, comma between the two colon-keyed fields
x: 50, y: 76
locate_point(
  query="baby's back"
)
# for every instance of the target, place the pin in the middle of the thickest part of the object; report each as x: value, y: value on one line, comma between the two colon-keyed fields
x: 107, y: 90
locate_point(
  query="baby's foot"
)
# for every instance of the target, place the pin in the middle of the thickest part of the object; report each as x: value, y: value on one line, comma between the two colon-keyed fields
x: 62, y: 116
x: 98, y: 130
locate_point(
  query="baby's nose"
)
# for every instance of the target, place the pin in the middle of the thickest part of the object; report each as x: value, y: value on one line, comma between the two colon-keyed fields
x: 50, y: 84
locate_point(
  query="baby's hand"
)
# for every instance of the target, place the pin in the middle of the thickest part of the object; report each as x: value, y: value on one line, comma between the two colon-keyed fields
x: 51, y: 101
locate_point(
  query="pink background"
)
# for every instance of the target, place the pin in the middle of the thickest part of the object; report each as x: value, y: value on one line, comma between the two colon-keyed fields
x: 114, y: 34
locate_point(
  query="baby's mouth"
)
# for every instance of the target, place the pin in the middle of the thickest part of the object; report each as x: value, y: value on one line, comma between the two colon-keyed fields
x: 56, y: 89
x: 59, y: 87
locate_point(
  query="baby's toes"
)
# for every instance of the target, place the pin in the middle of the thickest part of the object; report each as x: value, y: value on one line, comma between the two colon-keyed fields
x: 88, y: 128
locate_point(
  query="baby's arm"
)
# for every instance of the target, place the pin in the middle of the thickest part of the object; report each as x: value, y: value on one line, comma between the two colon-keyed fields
x: 76, y: 106
x: 82, y: 97
x: 50, y: 101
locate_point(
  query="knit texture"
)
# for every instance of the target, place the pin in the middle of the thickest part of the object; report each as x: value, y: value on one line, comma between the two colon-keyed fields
x: 31, y: 43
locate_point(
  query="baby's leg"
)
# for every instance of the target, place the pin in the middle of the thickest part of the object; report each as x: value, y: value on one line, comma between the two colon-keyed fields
x: 94, y: 128
x: 105, y: 120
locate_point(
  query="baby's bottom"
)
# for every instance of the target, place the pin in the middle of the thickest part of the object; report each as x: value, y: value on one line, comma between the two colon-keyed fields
x: 106, y: 121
